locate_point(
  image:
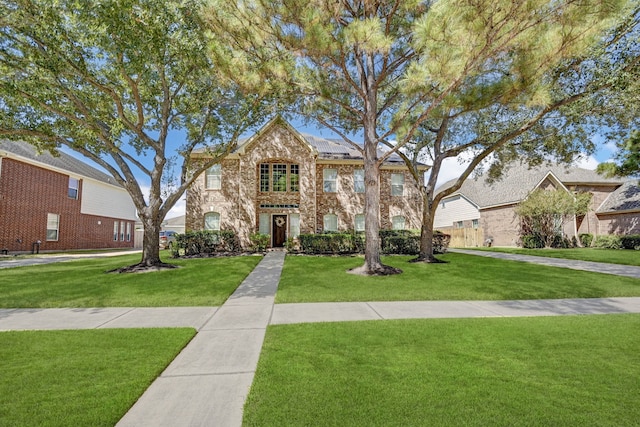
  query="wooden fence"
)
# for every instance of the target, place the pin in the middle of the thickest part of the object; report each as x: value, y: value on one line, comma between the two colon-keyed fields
x: 464, y: 237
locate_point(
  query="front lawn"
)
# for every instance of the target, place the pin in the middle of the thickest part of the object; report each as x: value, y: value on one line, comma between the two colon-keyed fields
x: 80, y: 378
x: 611, y: 256
x: 464, y: 277
x: 85, y: 283
x: 560, y: 371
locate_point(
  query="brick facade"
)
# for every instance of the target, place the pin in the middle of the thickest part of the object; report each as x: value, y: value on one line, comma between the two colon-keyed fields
x: 28, y: 193
x: 240, y: 201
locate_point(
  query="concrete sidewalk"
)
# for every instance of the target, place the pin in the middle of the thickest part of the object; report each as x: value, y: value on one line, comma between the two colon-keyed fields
x: 595, y: 267
x: 208, y: 383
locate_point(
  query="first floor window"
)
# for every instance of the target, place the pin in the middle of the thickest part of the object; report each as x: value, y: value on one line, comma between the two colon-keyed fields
x: 212, y: 221
x: 128, y: 232
x: 214, y: 178
x: 263, y: 226
x: 330, y: 222
x: 74, y: 185
x: 458, y: 224
x: 53, y: 226
x: 122, y: 231
x: 115, y: 231
x: 397, y: 222
x: 359, y: 225
x: 397, y: 184
x: 294, y: 225
x: 475, y: 224
x: 330, y: 180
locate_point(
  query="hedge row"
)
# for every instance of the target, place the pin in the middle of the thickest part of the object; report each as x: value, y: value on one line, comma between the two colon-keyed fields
x: 631, y: 241
x: 206, y: 242
x: 397, y: 242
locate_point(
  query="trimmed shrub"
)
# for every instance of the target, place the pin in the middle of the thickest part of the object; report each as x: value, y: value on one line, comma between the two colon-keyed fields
x: 532, y: 241
x: 440, y: 242
x: 208, y: 242
x: 586, y: 239
x: 259, y: 242
x: 631, y: 241
x: 607, y: 242
x: 331, y: 243
x: 399, y: 242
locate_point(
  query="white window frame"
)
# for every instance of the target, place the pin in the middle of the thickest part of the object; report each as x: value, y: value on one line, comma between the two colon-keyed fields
x: 330, y: 222
x: 475, y: 224
x: 264, y: 223
x: 115, y: 230
x: 397, y: 184
x: 128, y: 232
x: 53, y: 225
x: 359, y: 222
x: 122, y: 231
x: 458, y: 224
x: 330, y: 180
x: 74, y: 188
x: 358, y: 180
x: 213, y: 178
x: 215, y: 216
x: 398, y: 222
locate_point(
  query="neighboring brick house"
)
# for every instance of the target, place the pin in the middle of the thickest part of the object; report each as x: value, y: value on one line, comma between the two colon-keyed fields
x: 282, y: 183
x: 61, y: 202
x: 615, y: 205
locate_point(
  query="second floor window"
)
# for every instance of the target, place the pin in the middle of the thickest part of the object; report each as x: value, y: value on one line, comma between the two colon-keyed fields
x: 397, y: 184
x: 359, y: 222
x: 214, y: 178
x: 279, y: 177
x: 330, y: 180
x: 358, y: 180
x: 74, y: 185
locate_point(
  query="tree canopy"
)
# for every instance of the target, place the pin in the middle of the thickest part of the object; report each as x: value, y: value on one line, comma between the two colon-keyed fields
x: 627, y: 158
x: 126, y: 83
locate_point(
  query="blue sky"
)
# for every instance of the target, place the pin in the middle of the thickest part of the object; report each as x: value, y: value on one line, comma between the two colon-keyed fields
x: 451, y: 169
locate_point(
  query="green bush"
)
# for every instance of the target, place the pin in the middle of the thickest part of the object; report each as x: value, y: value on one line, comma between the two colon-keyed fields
x: 331, y: 243
x: 532, y: 241
x: 440, y: 242
x: 607, y: 242
x: 207, y: 242
x: 259, y: 242
x: 586, y: 239
x: 631, y: 241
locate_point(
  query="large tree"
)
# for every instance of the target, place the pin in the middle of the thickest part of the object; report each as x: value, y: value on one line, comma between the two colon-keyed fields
x: 627, y: 158
x: 387, y: 67
x: 126, y: 83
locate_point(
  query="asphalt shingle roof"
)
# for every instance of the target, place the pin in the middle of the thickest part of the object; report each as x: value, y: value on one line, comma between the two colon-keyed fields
x: 64, y: 161
x: 625, y: 198
x: 518, y: 180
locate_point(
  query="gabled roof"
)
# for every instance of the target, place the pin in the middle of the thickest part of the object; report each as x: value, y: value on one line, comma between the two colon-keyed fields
x: 62, y: 163
x: 519, y: 180
x: 625, y: 198
x: 324, y: 148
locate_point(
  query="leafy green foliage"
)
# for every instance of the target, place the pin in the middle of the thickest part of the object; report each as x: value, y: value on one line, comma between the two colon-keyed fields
x: 607, y: 242
x: 630, y: 242
x: 259, y: 242
x: 208, y: 242
x: 585, y: 239
x: 628, y: 157
x: 544, y: 212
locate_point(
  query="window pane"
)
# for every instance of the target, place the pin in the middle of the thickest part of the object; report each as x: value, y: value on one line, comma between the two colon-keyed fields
x: 122, y: 231
x: 53, y: 222
x: 212, y: 221
x: 294, y: 178
x: 359, y: 225
x: 330, y: 180
x: 358, y: 180
x: 397, y: 222
x: 214, y: 178
x: 115, y: 231
x: 264, y: 177
x: 264, y: 223
x: 294, y: 225
x: 73, y: 188
x: 330, y: 222
x: 397, y: 184
x: 279, y: 177
x: 128, y: 232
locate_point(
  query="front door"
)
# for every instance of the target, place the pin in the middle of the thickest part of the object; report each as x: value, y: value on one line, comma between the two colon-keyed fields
x: 279, y: 228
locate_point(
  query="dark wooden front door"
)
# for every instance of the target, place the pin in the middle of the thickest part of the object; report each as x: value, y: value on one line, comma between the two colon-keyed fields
x: 279, y: 228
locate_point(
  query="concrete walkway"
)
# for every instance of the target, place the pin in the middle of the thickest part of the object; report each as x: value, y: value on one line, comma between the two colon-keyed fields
x: 596, y: 267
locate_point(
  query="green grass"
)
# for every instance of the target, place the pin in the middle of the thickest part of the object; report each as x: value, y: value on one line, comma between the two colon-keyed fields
x: 85, y: 283
x: 612, y: 256
x: 80, y: 378
x: 552, y: 371
x: 464, y: 277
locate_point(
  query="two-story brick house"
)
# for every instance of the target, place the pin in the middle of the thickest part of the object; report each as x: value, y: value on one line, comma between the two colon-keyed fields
x: 61, y: 202
x: 282, y: 183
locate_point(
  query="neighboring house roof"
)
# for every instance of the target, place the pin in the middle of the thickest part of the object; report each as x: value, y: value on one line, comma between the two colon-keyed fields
x: 625, y: 198
x: 62, y: 162
x: 519, y: 180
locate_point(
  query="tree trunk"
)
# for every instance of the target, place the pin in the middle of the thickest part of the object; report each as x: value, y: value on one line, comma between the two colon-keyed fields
x: 151, y: 243
x: 426, y: 230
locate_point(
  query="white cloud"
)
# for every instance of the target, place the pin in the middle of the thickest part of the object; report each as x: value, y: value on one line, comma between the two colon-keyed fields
x: 178, y: 209
x: 586, y: 162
